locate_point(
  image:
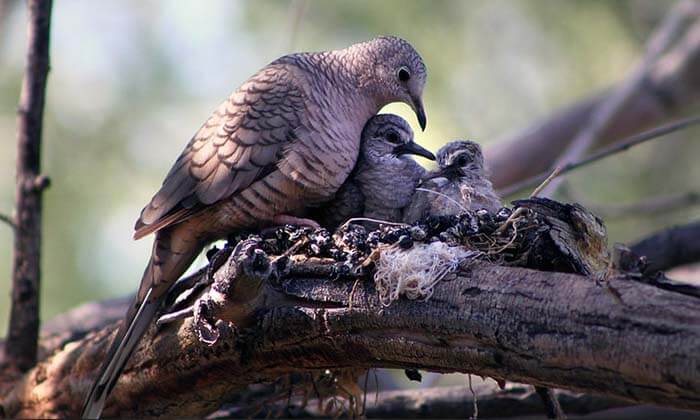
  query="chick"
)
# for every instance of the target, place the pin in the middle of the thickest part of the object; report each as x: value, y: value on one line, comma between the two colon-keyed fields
x: 459, y: 184
x: 384, y: 179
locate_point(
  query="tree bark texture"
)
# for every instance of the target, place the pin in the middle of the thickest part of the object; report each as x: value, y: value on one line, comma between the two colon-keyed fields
x: 549, y: 329
x: 21, y: 347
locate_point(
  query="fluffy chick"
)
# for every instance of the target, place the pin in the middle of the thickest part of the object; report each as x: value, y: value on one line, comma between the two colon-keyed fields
x: 459, y: 184
x: 384, y: 179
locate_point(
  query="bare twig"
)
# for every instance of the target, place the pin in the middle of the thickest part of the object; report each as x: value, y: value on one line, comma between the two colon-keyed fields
x: 603, y: 153
x: 9, y: 220
x: 601, y: 118
x: 555, y: 173
x: 21, y: 348
x: 368, y: 219
x: 650, y: 206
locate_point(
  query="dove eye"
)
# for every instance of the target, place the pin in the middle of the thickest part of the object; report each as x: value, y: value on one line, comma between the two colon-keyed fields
x: 404, y: 74
x: 393, y: 137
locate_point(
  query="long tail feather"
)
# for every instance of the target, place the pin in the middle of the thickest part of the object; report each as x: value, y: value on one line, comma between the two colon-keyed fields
x: 173, y: 251
x: 123, y: 345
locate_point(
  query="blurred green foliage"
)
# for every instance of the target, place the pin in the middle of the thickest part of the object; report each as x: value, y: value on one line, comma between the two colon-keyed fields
x: 131, y: 81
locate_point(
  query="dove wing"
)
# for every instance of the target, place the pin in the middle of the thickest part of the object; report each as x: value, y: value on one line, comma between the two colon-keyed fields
x: 240, y: 143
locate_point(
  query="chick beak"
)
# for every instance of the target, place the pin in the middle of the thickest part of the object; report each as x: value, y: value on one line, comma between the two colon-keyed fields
x: 448, y: 172
x: 413, y: 148
x: 420, y: 112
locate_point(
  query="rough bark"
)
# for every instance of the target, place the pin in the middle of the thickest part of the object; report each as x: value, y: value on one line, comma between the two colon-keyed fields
x: 672, y: 88
x: 548, y: 329
x: 21, y: 347
x: 670, y: 248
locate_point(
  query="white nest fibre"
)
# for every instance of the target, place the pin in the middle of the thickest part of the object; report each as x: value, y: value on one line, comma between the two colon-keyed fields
x: 414, y: 272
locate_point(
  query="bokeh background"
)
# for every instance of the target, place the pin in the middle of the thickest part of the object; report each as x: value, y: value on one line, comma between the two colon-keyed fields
x: 131, y: 81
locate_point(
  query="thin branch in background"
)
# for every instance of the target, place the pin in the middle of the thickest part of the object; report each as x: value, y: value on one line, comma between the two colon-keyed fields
x: 660, y: 204
x: 9, y: 220
x: 669, y: 91
x: 603, y: 153
x: 601, y: 118
x: 23, y: 331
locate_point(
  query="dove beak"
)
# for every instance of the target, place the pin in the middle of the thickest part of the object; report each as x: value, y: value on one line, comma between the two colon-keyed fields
x: 413, y: 148
x: 417, y: 105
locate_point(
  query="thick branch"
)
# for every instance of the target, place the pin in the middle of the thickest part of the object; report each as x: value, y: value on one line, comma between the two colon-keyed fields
x: 549, y: 329
x: 670, y: 248
x: 672, y: 87
x: 21, y: 347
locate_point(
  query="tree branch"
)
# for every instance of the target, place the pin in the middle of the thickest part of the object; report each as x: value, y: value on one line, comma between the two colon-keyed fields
x: 671, y: 87
x: 21, y: 346
x: 604, y: 113
x: 670, y: 248
x: 9, y: 220
x: 549, y: 329
x: 603, y: 153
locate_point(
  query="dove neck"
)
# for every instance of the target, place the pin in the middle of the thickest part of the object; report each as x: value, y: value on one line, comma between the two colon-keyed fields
x: 348, y: 73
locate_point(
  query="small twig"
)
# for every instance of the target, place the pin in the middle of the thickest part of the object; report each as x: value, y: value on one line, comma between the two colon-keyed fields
x: 367, y: 219
x: 649, y: 206
x: 510, y: 242
x: 555, y: 173
x: 475, y: 413
x: 660, y: 40
x: 9, y: 220
x: 613, y: 149
x: 513, y: 216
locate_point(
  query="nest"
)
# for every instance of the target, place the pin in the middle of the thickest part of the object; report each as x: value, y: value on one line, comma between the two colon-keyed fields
x: 406, y: 260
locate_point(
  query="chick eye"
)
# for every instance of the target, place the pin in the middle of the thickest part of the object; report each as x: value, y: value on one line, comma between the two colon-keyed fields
x: 404, y: 74
x: 462, y: 160
x: 393, y: 137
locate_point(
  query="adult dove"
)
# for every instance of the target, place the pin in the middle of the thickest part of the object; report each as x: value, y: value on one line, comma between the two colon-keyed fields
x: 459, y: 184
x: 286, y: 139
x: 385, y: 176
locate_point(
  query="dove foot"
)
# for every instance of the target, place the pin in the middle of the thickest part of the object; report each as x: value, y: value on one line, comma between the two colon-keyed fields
x: 285, y: 219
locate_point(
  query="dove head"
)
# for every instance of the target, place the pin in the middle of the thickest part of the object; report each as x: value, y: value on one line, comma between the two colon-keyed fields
x: 387, y: 137
x: 459, y: 158
x: 391, y: 70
